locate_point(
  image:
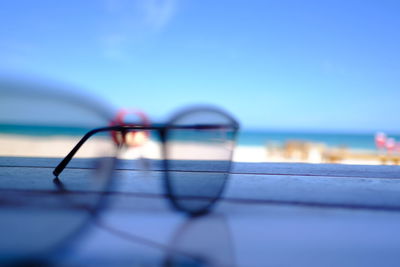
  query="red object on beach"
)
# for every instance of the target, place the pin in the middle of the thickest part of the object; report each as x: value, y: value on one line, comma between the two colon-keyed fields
x: 390, y: 144
x: 380, y: 140
x: 131, y: 138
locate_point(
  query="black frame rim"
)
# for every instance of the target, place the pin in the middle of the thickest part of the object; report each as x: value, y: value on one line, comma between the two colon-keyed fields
x: 166, y: 179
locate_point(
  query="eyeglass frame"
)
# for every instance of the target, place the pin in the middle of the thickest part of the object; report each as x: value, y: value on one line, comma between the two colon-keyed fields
x: 162, y: 131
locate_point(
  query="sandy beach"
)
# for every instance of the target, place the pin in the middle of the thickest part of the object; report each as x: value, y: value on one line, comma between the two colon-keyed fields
x: 59, y: 146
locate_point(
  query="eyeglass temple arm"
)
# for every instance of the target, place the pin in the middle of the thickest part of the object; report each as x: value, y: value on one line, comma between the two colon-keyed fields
x: 61, y: 166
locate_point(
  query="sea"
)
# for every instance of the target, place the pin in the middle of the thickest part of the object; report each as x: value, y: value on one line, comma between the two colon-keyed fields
x: 349, y: 140
x: 245, y: 137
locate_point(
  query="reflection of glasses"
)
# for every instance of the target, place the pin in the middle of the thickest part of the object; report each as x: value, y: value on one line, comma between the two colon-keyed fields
x: 40, y: 125
x: 198, y: 137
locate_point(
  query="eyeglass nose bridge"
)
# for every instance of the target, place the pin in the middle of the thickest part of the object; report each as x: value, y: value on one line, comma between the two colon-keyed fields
x: 131, y: 138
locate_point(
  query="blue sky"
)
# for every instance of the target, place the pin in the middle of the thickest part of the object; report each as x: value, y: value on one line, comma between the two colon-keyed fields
x: 301, y: 65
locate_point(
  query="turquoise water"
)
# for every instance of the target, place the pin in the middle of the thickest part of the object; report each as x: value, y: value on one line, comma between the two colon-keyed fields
x: 41, y: 130
x: 357, y: 141
x: 249, y: 138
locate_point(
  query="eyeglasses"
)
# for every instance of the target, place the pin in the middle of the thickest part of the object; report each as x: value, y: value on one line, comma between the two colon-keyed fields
x: 39, y: 124
x: 192, y: 140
